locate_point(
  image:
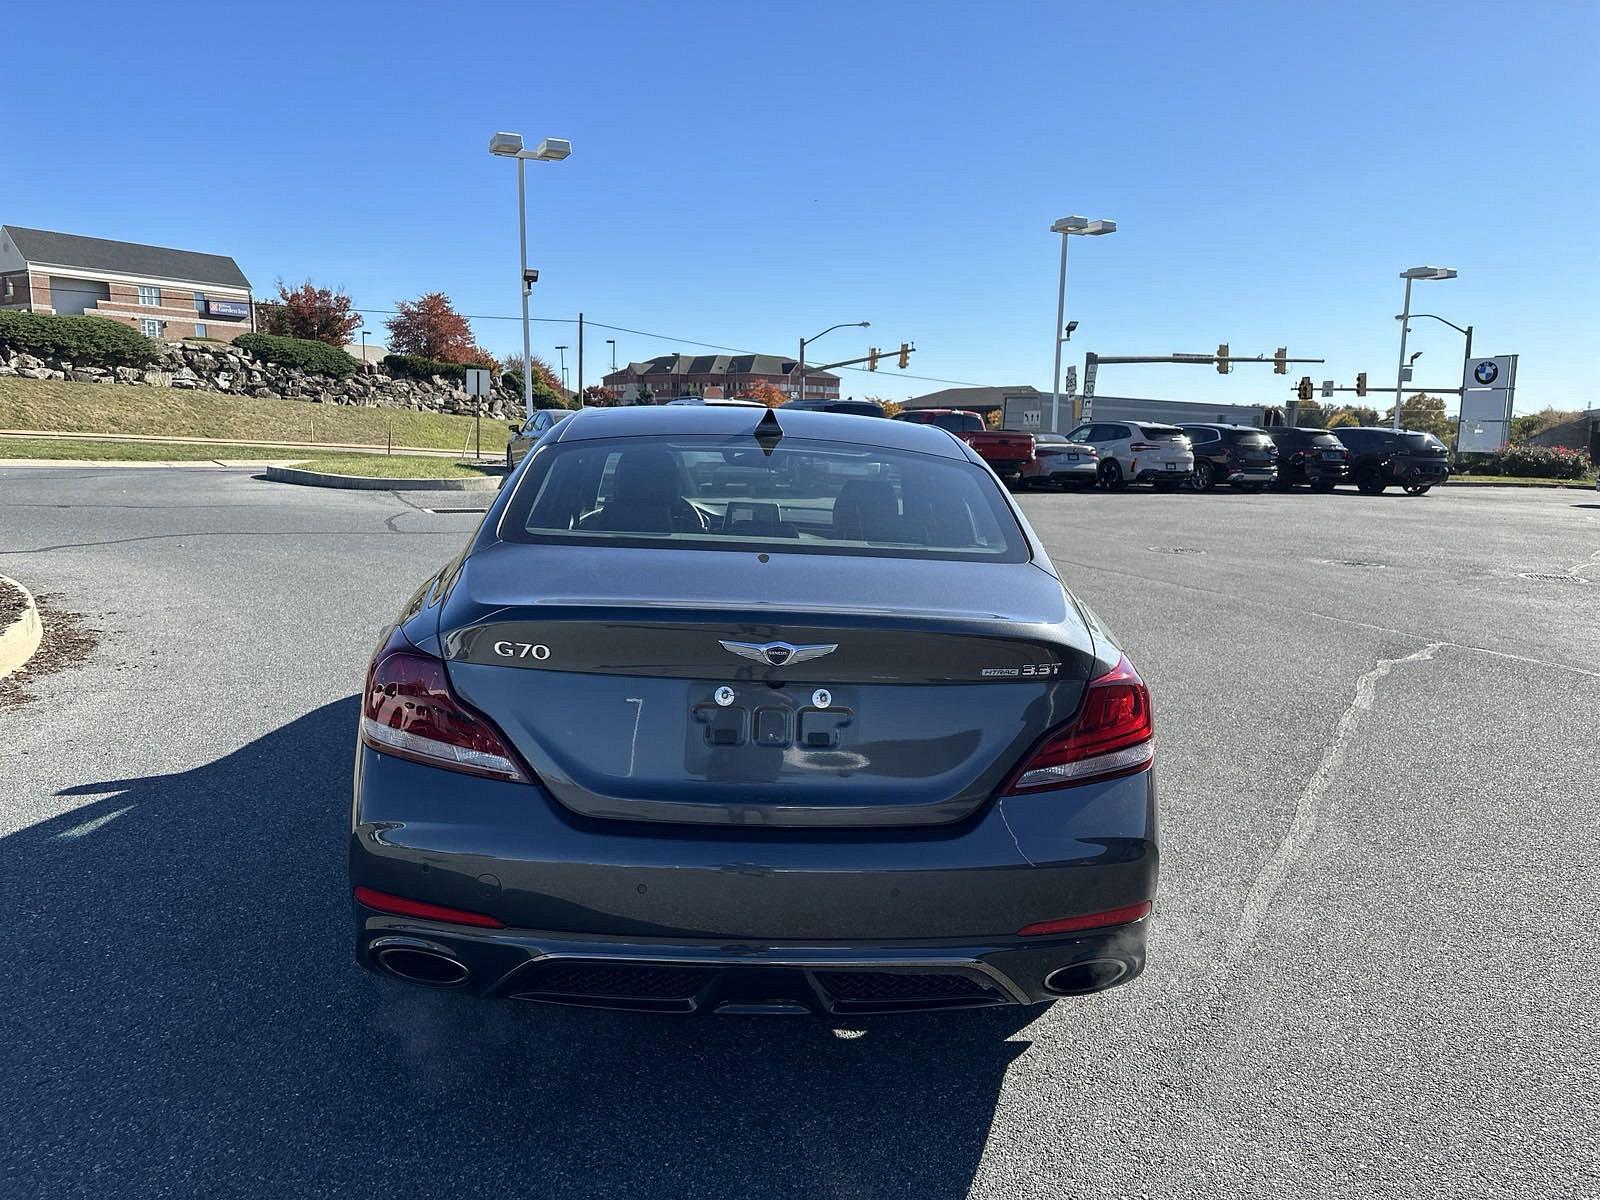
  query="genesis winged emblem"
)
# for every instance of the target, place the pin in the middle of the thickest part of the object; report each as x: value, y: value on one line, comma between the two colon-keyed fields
x: 778, y: 654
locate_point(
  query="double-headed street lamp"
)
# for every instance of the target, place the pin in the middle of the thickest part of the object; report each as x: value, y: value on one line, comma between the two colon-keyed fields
x: 1066, y: 227
x: 800, y: 367
x: 509, y: 145
x: 1409, y: 275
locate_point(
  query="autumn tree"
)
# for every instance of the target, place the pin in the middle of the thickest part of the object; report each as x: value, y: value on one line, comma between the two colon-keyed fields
x: 1311, y: 415
x: 429, y: 327
x: 890, y: 407
x: 596, y: 396
x: 317, y: 314
x: 765, y: 392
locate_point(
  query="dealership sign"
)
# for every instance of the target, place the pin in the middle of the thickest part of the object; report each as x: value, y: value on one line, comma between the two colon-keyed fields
x: 1488, y: 387
x: 228, y: 308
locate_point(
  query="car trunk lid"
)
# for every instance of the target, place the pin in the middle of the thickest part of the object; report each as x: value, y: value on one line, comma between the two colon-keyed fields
x: 848, y: 704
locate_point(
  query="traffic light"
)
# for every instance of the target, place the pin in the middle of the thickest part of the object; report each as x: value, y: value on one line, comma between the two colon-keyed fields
x: 905, y: 355
x: 1361, y: 384
x: 1280, y: 361
x: 872, y: 359
x: 1305, y: 387
x: 1223, y: 365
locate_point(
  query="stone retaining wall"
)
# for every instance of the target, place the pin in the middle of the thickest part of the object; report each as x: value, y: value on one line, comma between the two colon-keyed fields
x: 231, y: 371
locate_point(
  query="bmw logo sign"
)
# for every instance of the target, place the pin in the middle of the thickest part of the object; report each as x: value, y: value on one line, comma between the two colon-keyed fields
x: 1486, y: 372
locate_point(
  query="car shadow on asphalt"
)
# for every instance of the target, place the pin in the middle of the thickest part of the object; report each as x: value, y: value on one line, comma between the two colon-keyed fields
x: 182, y: 1014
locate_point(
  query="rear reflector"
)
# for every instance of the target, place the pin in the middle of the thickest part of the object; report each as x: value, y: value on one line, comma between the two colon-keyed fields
x: 1112, y: 734
x: 399, y: 906
x: 409, y: 711
x: 1100, y: 920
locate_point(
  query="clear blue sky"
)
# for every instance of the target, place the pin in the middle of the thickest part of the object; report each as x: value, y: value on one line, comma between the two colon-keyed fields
x: 1272, y: 169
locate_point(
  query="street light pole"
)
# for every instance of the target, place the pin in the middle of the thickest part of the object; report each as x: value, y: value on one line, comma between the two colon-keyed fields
x: 509, y: 145
x: 1061, y: 313
x: 527, y: 288
x: 612, y: 342
x: 562, y: 350
x: 1405, y: 328
x: 1466, y: 332
x: 800, y: 367
x: 1066, y: 227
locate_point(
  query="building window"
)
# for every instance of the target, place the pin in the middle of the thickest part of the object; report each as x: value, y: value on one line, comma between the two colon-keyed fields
x: 150, y: 297
x: 149, y: 327
x: 199, y: 302
x: 199, y: 330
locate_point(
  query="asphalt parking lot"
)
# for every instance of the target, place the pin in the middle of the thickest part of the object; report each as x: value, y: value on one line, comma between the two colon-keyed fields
x: 1371, y: 973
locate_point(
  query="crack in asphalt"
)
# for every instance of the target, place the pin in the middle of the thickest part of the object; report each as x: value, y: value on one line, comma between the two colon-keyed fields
x: 1303, y: 828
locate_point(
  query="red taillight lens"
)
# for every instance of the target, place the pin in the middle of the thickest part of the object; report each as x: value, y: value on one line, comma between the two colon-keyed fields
x: 1137, y: 446
x: 409, y: 711
x: 1113, y: 734
x: 399, y: 906
x: 1100, y: 920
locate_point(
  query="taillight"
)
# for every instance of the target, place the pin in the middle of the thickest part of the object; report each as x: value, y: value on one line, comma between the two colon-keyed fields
x: 409, y: 711
x: 400, y: 906
x: 1112, y: 916
x: 1137, y: 446
x: 1113, y: 734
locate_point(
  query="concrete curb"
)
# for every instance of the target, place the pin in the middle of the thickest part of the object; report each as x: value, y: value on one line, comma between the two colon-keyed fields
x: 375, y: 484
x: 1563, y: 485
x: 20, y: 639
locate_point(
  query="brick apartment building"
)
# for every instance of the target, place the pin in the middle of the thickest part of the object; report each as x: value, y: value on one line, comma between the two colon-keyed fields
x: 674, y: 376
x: 163, y: 293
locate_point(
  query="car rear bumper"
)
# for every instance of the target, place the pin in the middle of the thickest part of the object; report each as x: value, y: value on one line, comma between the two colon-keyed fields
x: 825, y: 919
x: 1088, y: 470
x: 655, y: 975
x: 1250, y: 474
x: 1177, y: 474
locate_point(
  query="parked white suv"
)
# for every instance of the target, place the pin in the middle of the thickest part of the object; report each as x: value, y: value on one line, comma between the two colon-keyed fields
x: 1138, y: 452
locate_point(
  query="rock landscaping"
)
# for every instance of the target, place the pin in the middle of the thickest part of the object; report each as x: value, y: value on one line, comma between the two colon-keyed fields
x: 227, y: 369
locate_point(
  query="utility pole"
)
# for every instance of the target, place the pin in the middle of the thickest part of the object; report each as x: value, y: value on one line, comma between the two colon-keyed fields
x: 580, y: 358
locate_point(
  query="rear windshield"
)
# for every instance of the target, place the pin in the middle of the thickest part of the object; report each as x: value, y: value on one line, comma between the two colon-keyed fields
x: 727, y: 494
x: 1304, y: 437
x: 1252, y: 441
x: 1424, y: 442
x: 1162, y: 433
x: 958, y: 422
x: 856, y: 409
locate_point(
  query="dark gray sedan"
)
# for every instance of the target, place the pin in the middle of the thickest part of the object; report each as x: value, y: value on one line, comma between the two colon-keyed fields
x: 753, y: 712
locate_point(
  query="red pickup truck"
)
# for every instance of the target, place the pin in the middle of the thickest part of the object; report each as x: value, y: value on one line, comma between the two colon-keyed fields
x: 1007, y: 453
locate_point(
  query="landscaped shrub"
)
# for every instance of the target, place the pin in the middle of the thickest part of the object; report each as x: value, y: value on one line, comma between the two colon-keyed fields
x: 317, y: 358
x: 1544, y: 462
x: 414, y: 366
x: 83, y: 341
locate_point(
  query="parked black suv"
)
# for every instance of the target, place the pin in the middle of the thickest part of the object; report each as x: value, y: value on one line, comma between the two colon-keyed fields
x: 1409, y: 457
x: 1239, y: 455
x: 854, y: 408
x: 1313, y: 456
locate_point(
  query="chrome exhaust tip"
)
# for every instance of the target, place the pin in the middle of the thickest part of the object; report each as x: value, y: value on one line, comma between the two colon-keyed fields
x: 1081, y: 978
x: 427, y: 967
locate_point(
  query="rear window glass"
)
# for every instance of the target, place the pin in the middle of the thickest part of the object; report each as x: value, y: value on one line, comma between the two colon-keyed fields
x: 727, y: 494
x: 1162, y: 433
x: 1422, y: 441
x: 1323, y: 439
x: 958, y: 422
x: 1252, y: 441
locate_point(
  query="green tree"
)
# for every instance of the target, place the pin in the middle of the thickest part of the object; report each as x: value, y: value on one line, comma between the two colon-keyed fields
x: 547, y: 389
x: 1353, y: 414
x: 1426, y: 413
